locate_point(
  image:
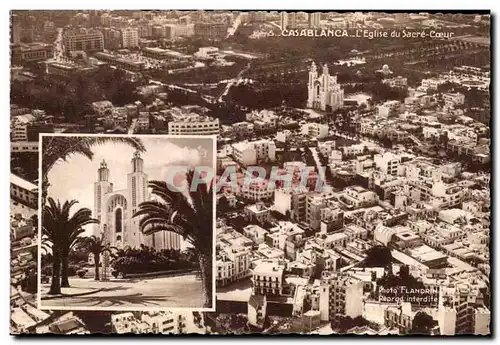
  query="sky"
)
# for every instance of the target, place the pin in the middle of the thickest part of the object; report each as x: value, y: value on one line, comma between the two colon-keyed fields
x: 74, y: 178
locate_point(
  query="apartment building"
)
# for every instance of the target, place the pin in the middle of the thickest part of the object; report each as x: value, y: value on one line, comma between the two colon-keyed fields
x: 340, y: 295
x: 286, y: 236
x: 233, y: 263
x: 315, y: 130
x: 390, y: 108
x: 130, y: 38
x: 192, y: 124
x: 268, y: 278
x: 87, y: 40
x: 23, y: 191
x: 387, y: 163
x: 254, y: 152
x: 243, y: 129
x: 397, y: 82
x: 453, y: 99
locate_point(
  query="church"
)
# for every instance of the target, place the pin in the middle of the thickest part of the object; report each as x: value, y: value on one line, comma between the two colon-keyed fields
x: 114, y: 210
x: 324, y: 92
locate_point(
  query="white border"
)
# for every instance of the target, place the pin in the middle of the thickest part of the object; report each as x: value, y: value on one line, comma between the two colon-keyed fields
x: 132, y: 308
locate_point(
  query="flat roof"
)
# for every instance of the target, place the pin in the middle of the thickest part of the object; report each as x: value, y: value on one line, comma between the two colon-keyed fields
x: 19, y: 181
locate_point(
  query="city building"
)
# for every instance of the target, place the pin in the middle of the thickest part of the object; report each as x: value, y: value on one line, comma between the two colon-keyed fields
x: 340, y: 295
x: 23, y: 191
x: 453, y: 99
x: 184, y: 123
x: 315, y: 130
x: 162, y: 322
x: 268, y: 278
x: 283, y: 20
x: 314, y: 19
x: 254, y: 152
x: 390, y: 108
x: 397, y: 82
x: 233, y: 264
x: 130, y: 38
x: 211, y: 30
x: 31, y: 52
x: 292, y: 20
x: 16, y: 27
x: 387, y: 163
x: 324, y: 92
x: 86, y: 40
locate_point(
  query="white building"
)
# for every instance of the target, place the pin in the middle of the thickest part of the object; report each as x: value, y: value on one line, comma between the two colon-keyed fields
x: 324, y: 91
x: 390, y: 108
x: 388, y: 163
x: 325, y: 148
x: 206, y: 52
x: 268, y: 278
x: 255, y: 233
x: 356, y: 196
x: 254, y: 152
x: 233, y: 263
x: 149, y: 322
x: 243, y: 129
x: 23, y: 191
x: 315, y: 130
x: 453, y: 99
x: 283, y: 20
x: 130, y: 38
x: 192, y: 124
x: 397, y: 82
x: 431, y: 83
x: 340, y: 295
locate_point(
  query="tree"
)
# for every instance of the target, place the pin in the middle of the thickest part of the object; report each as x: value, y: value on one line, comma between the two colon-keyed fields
x: 223, y: 205
x: 378, y: 256
x: 56, y: 149
x: 404, y: 273
x: 96, y: 245
x: 63, y: 231
x: 422, y: 323
x: 188, y: 214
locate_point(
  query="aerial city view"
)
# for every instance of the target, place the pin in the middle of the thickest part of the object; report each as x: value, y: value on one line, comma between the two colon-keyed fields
x: 352, y: 172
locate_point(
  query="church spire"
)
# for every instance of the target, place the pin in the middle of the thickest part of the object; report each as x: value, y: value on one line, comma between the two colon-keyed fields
x: 325, y: 69
x: 103, y: 172
x: 313, y: 67
x: 137, y: 162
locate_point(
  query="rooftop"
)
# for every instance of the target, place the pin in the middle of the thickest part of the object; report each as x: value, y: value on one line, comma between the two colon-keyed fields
x: 20, y: 182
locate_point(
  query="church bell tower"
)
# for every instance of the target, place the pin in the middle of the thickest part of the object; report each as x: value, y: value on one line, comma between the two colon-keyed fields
x: 101, y: 188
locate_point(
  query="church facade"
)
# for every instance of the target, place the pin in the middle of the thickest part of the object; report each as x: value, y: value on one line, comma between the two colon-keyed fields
x: 324, y: 93
x: 115, y: 210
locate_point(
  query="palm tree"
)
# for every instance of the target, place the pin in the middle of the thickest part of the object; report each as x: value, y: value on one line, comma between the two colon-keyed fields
x: 63, y: 231
x: 46, y: 245
x: 188, y: 214
x: 57, y: 149
x: 97, y: 245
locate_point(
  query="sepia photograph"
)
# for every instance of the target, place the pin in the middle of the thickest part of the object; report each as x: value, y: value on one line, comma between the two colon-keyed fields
x: 117, y: 231
x: 221, y: 172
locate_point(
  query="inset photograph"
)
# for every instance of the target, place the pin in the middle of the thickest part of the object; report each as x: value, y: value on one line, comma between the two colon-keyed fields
x: 126, y: 222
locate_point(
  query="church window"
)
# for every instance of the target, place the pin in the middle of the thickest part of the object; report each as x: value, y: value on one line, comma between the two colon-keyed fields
x: 98, y: 197
x: 134, y: 201
x: 118, y: 220
x: 317, y: 89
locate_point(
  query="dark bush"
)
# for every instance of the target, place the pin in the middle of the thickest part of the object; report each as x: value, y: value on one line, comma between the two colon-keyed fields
x: 81, y: 273
x: 47, y: 271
